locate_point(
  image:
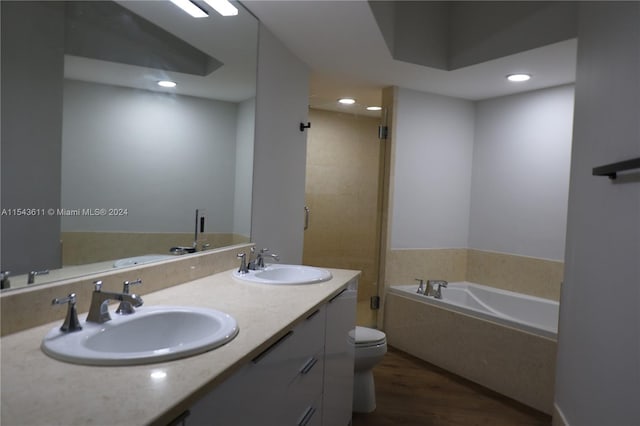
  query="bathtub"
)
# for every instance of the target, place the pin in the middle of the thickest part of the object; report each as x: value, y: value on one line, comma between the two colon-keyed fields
x: 528, y: 313
x: 502, y: 340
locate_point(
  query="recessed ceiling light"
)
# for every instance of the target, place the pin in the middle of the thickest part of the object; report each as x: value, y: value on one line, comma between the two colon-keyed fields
x: 191, y: 8
x: 374, y: 108
x: 167, y: 83
x: 347, y: 101
x: 518, y: 77
x: 223, y: 7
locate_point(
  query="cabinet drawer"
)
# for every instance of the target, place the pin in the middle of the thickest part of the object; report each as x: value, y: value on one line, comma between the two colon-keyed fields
x: 310, y: 415
x: 281, y: 361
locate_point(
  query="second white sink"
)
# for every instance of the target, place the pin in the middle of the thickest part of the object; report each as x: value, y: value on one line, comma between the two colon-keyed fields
x: 282, y: 274
x: 151, y: 334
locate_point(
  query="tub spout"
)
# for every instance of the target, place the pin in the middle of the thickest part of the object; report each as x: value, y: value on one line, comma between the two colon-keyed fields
x: 434, y: 288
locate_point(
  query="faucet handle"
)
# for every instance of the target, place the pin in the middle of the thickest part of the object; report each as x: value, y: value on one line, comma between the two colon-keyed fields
x: 243, y: 263
x: 127, y: 284
x: 97, y: 285
x: 71, y: 322
x: 421, y: 289
x: 125, y: 307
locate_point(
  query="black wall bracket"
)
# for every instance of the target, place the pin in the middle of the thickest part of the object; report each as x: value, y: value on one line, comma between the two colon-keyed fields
x: 305, y: 126
x: 611, y: 170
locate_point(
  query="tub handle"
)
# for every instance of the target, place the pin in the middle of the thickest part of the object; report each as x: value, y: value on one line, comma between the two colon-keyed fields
x: 421, y: 289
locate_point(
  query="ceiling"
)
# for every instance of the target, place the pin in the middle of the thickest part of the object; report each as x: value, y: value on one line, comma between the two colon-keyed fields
x: 343, y: 46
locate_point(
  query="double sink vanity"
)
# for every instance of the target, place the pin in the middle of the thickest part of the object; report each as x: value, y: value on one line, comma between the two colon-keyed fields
x: 265, y: 347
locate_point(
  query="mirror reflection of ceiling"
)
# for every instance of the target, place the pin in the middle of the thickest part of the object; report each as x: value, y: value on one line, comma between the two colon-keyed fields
x: 229, y: 41
x: 107, y: 31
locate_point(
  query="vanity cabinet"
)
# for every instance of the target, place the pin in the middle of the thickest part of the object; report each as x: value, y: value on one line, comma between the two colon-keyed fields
x: 303, y: 379
x: 339, y: 356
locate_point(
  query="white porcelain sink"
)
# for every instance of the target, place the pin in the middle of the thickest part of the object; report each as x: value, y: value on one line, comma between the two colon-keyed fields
x: 280, y: 274
x: 151, y: 334
x: 141, y: 260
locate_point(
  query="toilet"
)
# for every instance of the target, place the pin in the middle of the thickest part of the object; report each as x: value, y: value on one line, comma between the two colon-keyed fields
x: 370, y: 347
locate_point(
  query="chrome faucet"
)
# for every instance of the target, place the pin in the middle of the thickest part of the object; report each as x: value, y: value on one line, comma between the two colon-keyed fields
x: 71, y: 322
x: 434, y: 288
x: 258, y: 262
x: 99, y: 310
x: 34, y: 274
x: 125, y: 307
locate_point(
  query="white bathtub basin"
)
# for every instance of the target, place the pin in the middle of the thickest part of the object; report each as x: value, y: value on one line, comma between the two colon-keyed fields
x: 151, y: 334
x: 529, y: 313
x: 281, y: 274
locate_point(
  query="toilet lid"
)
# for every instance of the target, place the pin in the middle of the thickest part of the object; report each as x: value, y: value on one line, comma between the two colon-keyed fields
x: 365, y: 335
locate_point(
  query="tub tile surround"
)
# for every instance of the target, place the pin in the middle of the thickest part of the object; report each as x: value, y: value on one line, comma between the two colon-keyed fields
x: 527, y: 275
x: 264, y: 314
x: 521, y: 274
x: 511, y: 362
x: 31, y: 306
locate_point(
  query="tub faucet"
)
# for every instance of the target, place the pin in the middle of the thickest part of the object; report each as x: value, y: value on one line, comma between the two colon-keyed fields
x: 434, y: 288
x: 99, y: 310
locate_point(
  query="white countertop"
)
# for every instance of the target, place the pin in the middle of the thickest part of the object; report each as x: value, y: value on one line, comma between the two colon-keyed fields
x: 37, y: 390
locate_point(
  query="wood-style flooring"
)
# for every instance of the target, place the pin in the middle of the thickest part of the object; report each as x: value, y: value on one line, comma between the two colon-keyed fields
x: 411, y: 392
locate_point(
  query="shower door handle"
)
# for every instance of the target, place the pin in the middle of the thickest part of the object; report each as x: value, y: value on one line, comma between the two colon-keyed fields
x: 306, y: 217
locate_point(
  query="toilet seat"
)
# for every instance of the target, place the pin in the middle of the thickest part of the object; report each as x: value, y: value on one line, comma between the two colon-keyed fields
x: 366, y: 337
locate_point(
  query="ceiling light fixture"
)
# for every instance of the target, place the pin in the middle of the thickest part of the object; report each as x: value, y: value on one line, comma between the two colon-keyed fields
x: 374, y: 108
x: 518, y: 77
x: 167, y: 83
x: 347, y: 101
x: 191, y: 8
x: 223, y: 7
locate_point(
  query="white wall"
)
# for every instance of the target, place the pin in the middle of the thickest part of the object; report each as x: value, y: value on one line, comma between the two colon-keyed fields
x: 598, y: 367
x: 160, y: 156
x: 277, y: 219
x: 491, y: 175
x: 432, y: 171
x: 520, y: 179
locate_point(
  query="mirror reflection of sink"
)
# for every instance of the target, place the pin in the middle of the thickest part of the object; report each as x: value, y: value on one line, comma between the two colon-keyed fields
x: 280, y: 274
x: 140, y: 260
x: 151, y: 334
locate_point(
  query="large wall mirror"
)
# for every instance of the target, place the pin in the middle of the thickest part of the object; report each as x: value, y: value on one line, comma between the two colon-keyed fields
x: 101, y: 166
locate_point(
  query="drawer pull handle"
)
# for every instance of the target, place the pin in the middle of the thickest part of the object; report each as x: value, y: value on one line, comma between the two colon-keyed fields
x: 308, y: 365
x: 337, y: 295
x: 307, y: 416
x: 313, y: 314
x: 264, y: 353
